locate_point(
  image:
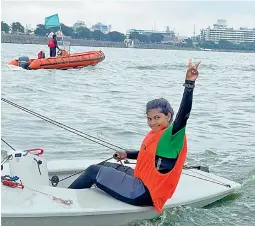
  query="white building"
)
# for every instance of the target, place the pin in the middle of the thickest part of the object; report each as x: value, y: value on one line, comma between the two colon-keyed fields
x: 168, y: 34
x: 220, y: 31
x: 101, y: 27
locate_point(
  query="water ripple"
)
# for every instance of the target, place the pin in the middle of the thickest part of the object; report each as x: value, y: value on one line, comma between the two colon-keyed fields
x: 108, y: 101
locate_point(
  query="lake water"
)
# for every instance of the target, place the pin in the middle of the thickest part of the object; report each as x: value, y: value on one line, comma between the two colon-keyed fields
x: 108, y: 101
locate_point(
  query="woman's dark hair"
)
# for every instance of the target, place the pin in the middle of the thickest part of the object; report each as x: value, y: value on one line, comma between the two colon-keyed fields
x: 162, y: 104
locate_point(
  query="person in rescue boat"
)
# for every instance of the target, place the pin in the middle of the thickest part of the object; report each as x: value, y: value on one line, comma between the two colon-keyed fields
x: 159, y: 161
x: 41, y: 55
x: 53, y: 45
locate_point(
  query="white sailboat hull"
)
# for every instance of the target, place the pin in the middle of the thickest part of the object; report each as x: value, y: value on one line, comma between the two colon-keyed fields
x: 34, y: 205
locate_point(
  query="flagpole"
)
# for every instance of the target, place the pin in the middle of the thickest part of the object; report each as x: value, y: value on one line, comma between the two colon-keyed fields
x: 62, y: 35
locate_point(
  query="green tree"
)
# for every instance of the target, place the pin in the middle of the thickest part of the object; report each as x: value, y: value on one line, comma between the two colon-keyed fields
x: 141, y: 37
x: 54, y: 29
x: 5, y: 27
x: 188, y: 43
x: 83, y: 32
x: 224, y: 44
x: 28, y: 31
x: 133, y: 35
x: 41, y: 30
x: 67, y: 31
x: 17, y: 27
x: 156, y: 38
x: 248, y: 46
x: 208, y: 45
x: 116, y: 36
x: 99, y: 35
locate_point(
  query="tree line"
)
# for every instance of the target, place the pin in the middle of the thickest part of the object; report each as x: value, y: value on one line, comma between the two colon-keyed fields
x: 15, y: 27
x: 224, y: 44
x: 82, y: 32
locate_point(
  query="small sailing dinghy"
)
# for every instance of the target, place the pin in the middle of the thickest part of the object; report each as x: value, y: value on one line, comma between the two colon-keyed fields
x: 34, y: 192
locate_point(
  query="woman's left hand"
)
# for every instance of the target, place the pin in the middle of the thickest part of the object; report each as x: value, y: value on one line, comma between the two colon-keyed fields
x: 192, y: 72
x: 120, y: 155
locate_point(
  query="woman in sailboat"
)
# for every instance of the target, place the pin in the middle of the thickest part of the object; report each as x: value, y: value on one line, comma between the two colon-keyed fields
x: 160, y: 159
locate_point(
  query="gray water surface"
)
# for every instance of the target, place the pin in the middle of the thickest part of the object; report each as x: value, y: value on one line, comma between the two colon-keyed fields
x: 108, y: 101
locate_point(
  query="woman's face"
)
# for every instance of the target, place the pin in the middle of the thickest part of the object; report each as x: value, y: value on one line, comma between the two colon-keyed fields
x: 157, y: 120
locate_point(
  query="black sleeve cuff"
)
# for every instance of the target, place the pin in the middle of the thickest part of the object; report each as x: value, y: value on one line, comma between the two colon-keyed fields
x: 189, y: 84
x: 132, y: 154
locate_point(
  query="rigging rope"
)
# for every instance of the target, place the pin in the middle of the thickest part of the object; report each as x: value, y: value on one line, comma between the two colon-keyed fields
x: 63, y: 126
x: 75, y: 131
x: 7, y: 144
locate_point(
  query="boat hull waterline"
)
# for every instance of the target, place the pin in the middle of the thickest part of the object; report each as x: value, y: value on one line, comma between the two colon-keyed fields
x: 35, y: 205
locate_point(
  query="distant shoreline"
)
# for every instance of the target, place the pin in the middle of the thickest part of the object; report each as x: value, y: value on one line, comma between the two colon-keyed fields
x: 28, y: 39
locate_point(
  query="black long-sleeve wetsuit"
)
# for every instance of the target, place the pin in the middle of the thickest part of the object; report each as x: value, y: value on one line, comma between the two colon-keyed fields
x: 118, y: 180
x: 163, y: 164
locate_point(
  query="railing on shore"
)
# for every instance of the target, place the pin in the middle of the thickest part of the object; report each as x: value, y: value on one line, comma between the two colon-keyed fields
x: 39, y: 40
x: 29, y: 39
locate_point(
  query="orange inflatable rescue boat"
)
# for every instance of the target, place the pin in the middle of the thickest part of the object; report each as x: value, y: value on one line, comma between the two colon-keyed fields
x: 63, y: 61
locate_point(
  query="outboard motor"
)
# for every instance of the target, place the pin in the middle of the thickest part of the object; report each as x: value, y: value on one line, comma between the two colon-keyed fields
x: 29, y: 167
x: 23, y: 62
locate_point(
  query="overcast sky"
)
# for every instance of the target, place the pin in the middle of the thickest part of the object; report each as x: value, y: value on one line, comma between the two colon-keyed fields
x: 122, y: 15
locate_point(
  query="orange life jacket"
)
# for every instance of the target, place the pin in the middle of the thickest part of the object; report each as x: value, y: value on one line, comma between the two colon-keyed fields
x: 160, y: 186
x: 51, y: 43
